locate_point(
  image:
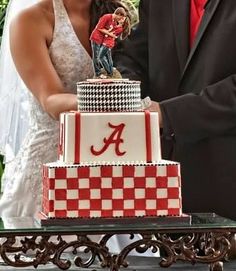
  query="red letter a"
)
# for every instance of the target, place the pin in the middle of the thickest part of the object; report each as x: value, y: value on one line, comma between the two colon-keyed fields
x: 114, y: 138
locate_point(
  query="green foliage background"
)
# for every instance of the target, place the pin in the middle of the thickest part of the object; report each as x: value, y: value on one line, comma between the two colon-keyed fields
x: 3, y: 5
x: 135, y: 2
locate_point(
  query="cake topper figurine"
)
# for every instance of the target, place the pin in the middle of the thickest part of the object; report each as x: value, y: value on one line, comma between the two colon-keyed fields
x: 103, y: 39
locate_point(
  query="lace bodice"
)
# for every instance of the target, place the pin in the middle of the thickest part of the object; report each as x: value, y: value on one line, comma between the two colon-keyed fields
x: 23, y: 179
x: 66, y: 46
x: 70, y: 59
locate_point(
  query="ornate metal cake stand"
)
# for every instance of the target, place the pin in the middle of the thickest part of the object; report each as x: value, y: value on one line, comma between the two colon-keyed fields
x: 205, y: 240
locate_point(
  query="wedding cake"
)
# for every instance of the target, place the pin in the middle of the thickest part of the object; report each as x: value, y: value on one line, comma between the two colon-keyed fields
x: 109, y: 163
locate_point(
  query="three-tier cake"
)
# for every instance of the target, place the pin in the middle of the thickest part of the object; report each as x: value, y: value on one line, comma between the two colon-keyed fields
x: 109, y: 163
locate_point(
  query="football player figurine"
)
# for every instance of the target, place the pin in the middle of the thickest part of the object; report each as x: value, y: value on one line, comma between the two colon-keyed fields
x: 103, y: 39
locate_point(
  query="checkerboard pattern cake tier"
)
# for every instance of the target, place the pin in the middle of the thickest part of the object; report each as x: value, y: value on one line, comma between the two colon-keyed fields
x: 126, y: 137
x: 108, y: 96
x: 112, y: 191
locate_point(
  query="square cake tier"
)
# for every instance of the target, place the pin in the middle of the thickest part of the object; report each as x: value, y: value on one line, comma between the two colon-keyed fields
x: 130, y: 137
x: 108, y: 191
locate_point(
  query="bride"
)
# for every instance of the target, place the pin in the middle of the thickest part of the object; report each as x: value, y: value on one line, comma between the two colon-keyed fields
x: 50, y: 48
x: 48, y: 51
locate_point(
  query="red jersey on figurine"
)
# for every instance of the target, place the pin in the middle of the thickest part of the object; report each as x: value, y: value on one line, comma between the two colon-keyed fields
x: 108, y: 29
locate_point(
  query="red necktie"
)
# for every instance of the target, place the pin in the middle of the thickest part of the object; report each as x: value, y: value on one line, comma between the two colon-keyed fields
x: 196, y: 13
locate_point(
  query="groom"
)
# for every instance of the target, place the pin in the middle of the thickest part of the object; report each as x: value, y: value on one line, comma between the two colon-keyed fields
x: 184, y: 52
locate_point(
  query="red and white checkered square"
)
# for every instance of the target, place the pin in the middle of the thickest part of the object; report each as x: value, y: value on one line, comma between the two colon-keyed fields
x: 112, y: 190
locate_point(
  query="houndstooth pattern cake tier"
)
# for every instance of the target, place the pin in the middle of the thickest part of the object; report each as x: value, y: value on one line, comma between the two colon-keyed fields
x: 95, y: 95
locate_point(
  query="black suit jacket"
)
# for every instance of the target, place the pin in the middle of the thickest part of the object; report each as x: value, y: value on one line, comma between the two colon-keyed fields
x: 196, y: 89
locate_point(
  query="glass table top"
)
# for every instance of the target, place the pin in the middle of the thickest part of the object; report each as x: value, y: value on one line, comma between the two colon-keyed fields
x: 198, y: 221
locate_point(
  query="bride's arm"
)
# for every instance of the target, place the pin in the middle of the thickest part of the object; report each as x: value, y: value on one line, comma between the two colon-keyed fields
x: 30, y: 33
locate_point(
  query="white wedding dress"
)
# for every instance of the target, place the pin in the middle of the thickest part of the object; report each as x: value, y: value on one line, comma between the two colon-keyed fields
x: 23, y: 177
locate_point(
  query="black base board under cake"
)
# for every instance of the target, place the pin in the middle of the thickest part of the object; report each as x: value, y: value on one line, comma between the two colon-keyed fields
x: 41, y: 218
